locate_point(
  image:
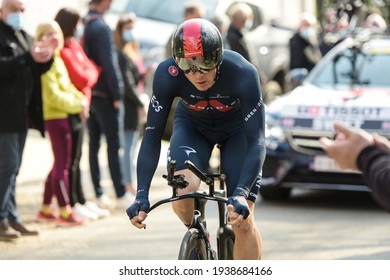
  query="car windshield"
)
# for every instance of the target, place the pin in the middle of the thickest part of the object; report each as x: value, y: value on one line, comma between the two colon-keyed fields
x: 168, y: 11
x: 354, y: 67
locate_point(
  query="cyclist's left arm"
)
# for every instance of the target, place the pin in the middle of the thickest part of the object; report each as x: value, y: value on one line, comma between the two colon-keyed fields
x: 253, y: 113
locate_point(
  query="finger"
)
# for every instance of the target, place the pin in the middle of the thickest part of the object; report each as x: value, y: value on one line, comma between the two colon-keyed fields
x: 380, y: 140
x: 326, y: 141
x: 234, y: 218
x: 142, y: 216
x: 230, y: 209
x: 341, y: 128
x: 236, y: 221
x: 137, y: 223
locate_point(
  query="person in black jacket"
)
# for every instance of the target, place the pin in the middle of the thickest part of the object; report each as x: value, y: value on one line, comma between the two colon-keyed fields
x: 105, y: 103
x: 304, y: 48
x: 241, y: 18
x: 21, y: 64
x: 127, y: 55
x: 357, y: 149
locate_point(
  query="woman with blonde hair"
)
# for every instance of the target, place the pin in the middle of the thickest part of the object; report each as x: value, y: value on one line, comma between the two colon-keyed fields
x: 60, y: 99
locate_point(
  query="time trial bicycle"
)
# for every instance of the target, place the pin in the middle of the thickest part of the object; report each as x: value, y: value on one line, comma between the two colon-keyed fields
x: 196, y: 243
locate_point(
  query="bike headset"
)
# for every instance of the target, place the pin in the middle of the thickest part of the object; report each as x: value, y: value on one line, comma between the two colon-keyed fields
x: 197, y: 46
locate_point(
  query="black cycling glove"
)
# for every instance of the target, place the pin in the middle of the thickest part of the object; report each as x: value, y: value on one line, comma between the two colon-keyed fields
x: 140, y: 204
x: 240, y: 205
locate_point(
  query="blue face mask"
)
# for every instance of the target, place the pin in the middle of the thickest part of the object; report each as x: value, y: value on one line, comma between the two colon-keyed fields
x: 15, y: 20
x: 79, y: 32
x: 128, y: 35
x: 307, y: 33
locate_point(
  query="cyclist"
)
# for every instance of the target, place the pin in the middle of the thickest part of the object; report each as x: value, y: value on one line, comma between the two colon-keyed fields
x: 219, y: 103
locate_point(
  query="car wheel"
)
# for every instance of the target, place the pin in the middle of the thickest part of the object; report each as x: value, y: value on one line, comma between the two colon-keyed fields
x: 275, y: 193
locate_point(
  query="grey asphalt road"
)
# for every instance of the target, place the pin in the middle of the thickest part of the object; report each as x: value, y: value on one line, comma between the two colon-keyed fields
x: 310, y: 226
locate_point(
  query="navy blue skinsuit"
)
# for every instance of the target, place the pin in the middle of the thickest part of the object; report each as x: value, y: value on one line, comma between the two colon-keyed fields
x: 230, y: 113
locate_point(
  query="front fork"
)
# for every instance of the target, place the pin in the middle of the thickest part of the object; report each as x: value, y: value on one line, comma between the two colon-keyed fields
x: 199, y: 222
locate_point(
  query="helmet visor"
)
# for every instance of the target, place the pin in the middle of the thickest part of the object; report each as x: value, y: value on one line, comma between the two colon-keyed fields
x: 198, y: 63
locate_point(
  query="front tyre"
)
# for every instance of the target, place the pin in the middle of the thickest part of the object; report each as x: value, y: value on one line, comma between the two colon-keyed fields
x: 225, y: 241
x: 193, y: 246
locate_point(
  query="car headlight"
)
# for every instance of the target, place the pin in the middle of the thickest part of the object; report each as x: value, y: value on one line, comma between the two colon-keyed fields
x: 274, y: 135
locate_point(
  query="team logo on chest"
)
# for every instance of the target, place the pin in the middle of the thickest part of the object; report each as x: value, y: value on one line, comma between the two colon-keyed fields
x: 211, y: 105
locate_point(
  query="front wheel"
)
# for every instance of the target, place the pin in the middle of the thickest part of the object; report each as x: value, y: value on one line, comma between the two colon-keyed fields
x: 225, y: 241
x: 193, y: 246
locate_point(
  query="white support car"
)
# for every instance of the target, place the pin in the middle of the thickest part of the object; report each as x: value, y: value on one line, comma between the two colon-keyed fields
x: 350, y: 84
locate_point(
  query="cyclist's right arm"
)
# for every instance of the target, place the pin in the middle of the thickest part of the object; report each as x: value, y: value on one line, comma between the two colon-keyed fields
x: 163, y: 95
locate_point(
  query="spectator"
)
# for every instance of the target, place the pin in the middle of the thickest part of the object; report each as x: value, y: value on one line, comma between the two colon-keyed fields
x: 132, y: 48
x: 222, y: 22
x: 241, y: 19
x: 329, y: 20
x: 375, y: 22
x: 60, y: 98
x: 105, y: 102
x: 192, y: 9
x: 356, y: 149
x: 304, y: 48
x: 334, y: 36
x: 83, y: 73
x: 127, y: 54
x: 21, y: 64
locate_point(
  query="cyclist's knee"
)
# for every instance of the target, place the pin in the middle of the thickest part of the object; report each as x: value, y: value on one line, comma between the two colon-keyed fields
x: 191, y: 178
x: 184, y: 210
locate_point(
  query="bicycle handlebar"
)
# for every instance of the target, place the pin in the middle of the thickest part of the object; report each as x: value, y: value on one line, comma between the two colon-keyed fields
x: 197, y: 172
x: 177, y: 181
x: 195, y: 194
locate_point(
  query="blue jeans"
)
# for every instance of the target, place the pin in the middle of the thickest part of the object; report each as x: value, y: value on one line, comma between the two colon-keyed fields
x: 130, y: 138
x: 12, y: 145
x: 104, y: 118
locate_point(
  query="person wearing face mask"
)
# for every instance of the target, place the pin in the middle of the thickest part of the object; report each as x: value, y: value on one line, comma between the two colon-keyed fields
x: 304, y: 48
x: 21, y: 64
x: 241, y: 20
x: 131, y: 65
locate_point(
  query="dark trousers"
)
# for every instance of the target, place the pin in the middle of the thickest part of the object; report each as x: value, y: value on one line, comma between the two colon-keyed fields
x: 11, y: 150
x: 104, y: 119
x: 75, y: 186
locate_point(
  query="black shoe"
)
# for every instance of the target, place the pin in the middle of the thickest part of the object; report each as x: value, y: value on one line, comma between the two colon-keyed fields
x: 6, y: 233
x: 23, y: 230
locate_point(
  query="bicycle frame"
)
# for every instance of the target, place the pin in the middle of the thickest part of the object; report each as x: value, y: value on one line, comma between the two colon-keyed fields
x: 225, y: 234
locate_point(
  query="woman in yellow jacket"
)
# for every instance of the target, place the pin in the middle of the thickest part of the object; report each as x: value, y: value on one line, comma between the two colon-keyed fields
x: 60, y: 99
